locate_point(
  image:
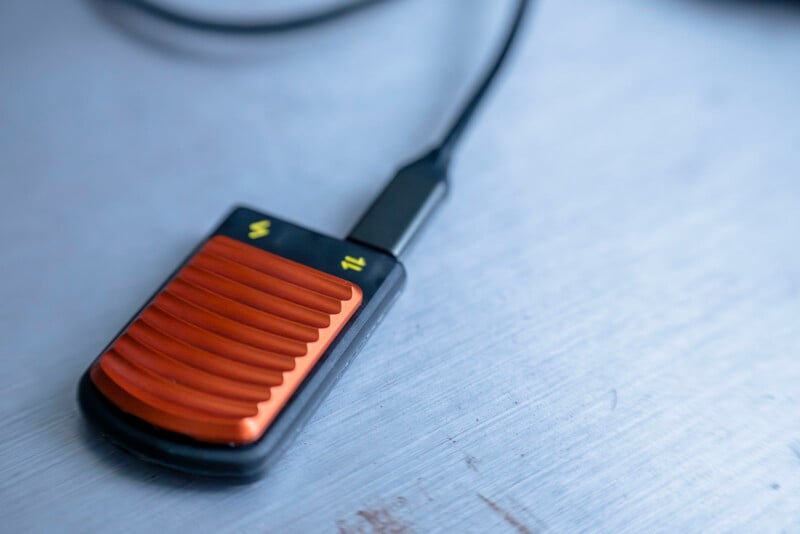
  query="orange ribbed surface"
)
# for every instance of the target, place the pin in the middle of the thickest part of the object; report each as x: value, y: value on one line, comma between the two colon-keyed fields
x: 223, y: 347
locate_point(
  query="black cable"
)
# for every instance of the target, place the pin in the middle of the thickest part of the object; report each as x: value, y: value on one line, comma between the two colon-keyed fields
x: 444, y: 149
x: 255, y: 27
x: 411, y: 196
x: 409, y: 199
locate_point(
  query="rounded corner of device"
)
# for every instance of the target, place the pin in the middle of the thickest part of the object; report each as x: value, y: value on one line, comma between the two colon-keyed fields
x: 239, y: 209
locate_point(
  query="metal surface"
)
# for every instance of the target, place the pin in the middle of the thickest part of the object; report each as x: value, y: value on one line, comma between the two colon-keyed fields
x: 599, y: 331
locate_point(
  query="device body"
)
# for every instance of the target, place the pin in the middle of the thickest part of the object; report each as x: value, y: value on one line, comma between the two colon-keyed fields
x: 218, y: 371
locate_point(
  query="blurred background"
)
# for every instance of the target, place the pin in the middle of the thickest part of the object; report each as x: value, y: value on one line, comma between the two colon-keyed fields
x: 600, y: 328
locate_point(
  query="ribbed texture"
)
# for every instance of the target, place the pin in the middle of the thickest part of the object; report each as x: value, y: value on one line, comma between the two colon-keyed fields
x: 221, y: 349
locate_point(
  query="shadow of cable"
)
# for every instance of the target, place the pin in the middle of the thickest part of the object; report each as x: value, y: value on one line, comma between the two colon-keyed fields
x: 196, y: 45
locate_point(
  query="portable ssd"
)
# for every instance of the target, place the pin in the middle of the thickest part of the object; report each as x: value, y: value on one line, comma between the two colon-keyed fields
x: 217, y: 372
x: 225, y: 361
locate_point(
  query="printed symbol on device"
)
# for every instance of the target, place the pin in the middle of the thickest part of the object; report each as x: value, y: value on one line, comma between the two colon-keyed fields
x: 259, y: 229
x: 349, y: 263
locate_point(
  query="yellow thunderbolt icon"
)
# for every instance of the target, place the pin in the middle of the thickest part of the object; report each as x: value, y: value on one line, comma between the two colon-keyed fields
x: 259, y: 229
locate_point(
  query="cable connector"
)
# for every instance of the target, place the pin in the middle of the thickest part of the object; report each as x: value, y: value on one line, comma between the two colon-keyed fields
x: 404, y: 205
x: 415, y: 191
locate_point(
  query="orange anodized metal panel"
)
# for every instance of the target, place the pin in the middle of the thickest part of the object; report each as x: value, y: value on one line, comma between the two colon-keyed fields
x: 221, y: 349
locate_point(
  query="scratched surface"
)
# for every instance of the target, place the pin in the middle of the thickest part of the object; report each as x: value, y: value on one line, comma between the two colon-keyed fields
x: 600, y: 331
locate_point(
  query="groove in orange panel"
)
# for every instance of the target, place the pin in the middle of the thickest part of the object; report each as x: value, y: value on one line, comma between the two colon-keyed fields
x: 132, y: 377
x: 201, y: 359
x: 171, y: 369
x: 267, y: 283
x: 191, y: 313
x: 171, y: 417
x: 292, y: 380
x: 242, y: 312
x: 279, y: 267
x: 211, y: 342
x: 254, y: 297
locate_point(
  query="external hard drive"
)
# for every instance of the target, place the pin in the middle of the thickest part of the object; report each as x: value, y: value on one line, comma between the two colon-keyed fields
x: 248, y: 334
x: 216, y: 374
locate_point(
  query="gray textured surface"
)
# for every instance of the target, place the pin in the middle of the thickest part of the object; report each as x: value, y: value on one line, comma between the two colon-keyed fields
x: 599, y: 333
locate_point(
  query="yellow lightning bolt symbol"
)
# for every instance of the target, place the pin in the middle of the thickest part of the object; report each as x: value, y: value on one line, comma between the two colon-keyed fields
x: 259, y: 229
